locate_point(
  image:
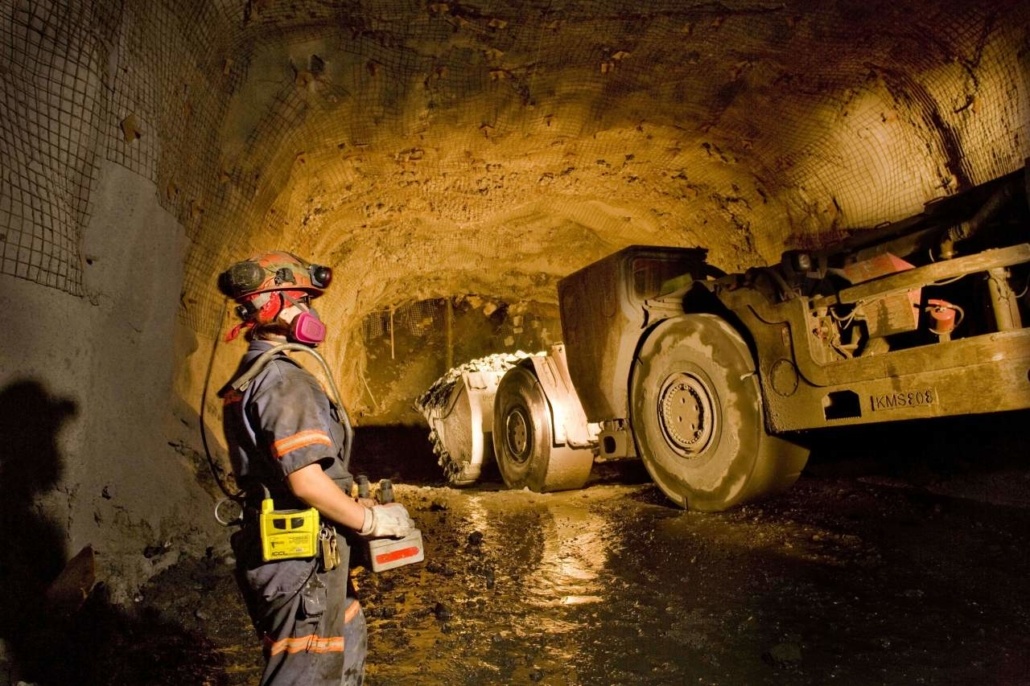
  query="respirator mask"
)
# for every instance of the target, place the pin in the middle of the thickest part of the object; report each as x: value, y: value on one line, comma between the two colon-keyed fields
x: 307, y: 328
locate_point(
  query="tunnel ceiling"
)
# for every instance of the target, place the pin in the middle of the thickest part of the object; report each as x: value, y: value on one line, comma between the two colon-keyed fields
x: 426, y: 149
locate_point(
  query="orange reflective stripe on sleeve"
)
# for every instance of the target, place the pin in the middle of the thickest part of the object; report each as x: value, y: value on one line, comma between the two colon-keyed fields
x: 300, y: 440
x: 351, y: 612
x: 305, y: 644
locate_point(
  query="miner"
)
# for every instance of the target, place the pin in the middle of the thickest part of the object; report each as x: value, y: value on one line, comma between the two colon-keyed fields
x: 289, y: 446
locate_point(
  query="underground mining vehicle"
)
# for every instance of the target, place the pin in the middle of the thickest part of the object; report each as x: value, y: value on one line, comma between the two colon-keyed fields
x: 715, y: 380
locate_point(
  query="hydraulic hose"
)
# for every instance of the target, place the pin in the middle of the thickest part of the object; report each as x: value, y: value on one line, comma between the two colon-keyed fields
x: 968, y: 229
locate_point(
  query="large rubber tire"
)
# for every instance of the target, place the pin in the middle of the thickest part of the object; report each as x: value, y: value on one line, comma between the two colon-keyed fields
x: 696, y: 415
x: 523, y: 439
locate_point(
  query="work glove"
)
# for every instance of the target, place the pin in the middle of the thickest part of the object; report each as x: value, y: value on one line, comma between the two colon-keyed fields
x: 387, y: 521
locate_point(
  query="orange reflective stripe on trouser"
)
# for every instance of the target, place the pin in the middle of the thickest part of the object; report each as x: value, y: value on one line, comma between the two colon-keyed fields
x: 307, y: 644
x: 313, y: 643
x: 300, y: 440
x: 351, y: 612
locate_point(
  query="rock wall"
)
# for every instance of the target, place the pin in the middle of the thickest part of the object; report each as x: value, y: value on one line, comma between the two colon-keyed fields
x: 85, y: 399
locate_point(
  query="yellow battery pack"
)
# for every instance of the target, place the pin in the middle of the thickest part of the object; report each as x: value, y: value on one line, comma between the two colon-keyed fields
x: 287, y: 534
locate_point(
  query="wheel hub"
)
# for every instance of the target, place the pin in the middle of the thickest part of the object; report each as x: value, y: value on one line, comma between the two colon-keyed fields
x: 686, y: 414
x: 516, y: 434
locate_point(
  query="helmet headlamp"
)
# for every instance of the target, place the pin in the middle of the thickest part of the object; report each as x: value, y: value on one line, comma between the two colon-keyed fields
x: 321, y: 276
x: 241, y: 278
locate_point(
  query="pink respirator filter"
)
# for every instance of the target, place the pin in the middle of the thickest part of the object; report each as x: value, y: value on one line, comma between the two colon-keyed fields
x: 307, y: 329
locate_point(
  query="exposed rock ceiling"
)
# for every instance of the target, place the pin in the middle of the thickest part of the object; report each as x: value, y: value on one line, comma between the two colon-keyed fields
x: 431, y: 149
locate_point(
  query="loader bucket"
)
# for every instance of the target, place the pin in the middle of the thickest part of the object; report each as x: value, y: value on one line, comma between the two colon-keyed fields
x: 464, y: 426
x: 459, y: 408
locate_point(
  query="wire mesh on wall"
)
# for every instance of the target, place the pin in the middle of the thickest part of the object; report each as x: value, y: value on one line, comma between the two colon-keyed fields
x: 47, y: 145
x: 122, y: 81
x: 413, y: 318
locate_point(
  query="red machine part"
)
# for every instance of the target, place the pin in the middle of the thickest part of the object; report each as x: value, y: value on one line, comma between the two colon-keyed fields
x: 945, y: 316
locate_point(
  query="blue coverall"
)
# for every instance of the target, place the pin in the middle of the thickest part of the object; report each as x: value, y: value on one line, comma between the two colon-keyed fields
x: 313, y: 630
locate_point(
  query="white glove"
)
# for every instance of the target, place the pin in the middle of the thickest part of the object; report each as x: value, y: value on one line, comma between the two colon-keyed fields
x: 389, y: 520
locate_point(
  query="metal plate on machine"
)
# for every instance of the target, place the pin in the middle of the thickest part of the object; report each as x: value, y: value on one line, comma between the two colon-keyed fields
x: 888, y: 314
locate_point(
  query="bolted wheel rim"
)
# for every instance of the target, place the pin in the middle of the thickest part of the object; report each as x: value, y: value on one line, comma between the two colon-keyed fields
x: 516, y: 435
x: 686, y: 414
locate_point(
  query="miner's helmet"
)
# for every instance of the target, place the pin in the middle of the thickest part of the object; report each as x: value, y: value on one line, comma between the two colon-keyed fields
x: 273, y: 271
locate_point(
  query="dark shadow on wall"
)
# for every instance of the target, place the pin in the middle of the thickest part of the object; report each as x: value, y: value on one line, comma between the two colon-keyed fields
x: 32, y: 554
x: 57, y: 624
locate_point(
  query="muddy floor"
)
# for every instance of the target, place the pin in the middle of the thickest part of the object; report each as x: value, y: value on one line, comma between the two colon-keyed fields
x: 900, y: 557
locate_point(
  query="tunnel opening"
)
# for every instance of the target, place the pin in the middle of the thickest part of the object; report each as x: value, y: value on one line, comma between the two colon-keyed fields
x: 409, y: 346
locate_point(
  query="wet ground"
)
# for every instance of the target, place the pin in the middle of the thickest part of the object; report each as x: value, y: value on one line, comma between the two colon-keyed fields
x: 900, y: 557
